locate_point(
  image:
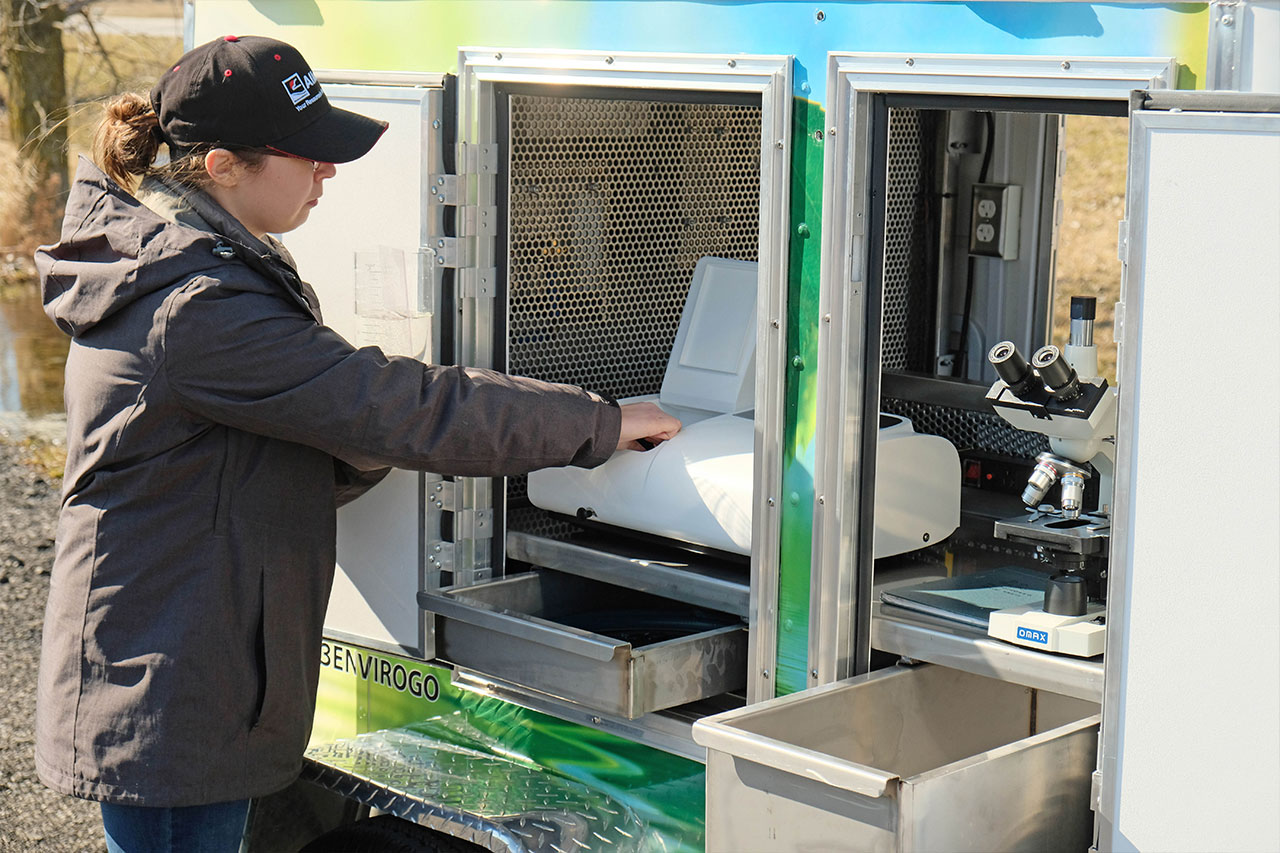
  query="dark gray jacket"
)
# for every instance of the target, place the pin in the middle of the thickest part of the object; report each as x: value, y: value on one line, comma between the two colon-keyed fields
x: 213, y: 425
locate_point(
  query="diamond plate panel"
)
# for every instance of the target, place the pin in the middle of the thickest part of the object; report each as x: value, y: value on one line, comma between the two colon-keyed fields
x: 498, y: 804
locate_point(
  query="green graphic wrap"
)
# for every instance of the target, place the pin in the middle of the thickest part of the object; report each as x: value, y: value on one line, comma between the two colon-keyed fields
x: 808, y: 122
x: 473, y: 765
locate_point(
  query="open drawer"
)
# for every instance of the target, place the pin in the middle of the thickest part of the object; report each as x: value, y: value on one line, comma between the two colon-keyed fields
x: 605, y: 647
x: 902, y: 759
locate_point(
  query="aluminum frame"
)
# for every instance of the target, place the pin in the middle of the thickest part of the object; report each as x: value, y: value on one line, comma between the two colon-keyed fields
x: 480, y: 69
x: 839, y: 638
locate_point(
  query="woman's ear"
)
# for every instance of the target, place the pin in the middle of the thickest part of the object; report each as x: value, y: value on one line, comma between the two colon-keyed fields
x: 223, y: 167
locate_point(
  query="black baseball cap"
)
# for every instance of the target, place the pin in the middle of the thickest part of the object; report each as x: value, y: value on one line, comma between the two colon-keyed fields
x: 257, y: 92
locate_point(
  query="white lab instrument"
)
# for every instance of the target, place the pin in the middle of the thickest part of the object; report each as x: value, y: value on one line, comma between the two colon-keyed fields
x: 697, y: 487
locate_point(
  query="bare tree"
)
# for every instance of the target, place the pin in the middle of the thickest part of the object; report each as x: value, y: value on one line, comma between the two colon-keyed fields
x: 34, y: 63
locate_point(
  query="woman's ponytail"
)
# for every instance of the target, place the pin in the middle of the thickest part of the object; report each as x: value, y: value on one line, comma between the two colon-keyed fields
x: 128, y: 138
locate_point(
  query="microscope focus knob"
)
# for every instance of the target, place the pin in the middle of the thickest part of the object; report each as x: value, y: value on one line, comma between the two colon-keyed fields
x: 1065, y: 595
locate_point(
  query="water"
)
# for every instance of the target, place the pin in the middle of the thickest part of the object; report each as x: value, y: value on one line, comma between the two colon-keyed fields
x: 33, y: 354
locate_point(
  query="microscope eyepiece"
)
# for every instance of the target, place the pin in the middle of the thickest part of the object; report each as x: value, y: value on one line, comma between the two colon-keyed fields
x: 1084, y: 310
x: 1011, y: 367
x: 1058, y: 376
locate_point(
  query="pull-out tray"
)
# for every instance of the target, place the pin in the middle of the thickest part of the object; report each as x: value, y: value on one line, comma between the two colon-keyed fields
x: 606, y: 647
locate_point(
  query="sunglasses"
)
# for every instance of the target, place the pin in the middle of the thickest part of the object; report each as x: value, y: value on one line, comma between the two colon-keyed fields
x: 276, y: 152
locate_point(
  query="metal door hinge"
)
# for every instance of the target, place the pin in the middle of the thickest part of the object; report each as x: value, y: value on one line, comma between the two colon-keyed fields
x: 478, y: 283
x: 467, y: 527
x: 478, y: 159
x: 444, y: 189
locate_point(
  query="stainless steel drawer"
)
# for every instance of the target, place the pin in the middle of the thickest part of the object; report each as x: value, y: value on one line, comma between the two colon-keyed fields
x: 924, y: 758
x: 606, y: 647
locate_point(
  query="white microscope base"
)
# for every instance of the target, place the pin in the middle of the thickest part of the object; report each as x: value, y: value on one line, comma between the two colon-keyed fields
x: 1032, y: 627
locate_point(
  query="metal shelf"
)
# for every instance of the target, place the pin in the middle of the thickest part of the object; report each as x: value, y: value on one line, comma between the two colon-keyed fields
x: 919, y: 637
x: 710, y: 583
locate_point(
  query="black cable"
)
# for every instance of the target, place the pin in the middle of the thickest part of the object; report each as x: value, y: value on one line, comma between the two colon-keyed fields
x: 962, y: 356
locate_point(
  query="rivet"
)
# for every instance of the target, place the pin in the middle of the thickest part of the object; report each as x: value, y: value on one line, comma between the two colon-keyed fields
x: 819, y: 16
x: 821, y: 499
x: 797, y: 362
x: 778, y: 145
x: 765, y: 673
x: 926, y: 537
x: 813, y: 673
x: 826, y: 318
x: 773, y: 323
x: 733, y: 63
x: 608, y: 60
x: 436, y: 124
x: 771, y: 501
x: 831, y: 131
x: 1065, y: 65
x: 817, y: 136
x: 497, y: 56
x: 1228, y: 20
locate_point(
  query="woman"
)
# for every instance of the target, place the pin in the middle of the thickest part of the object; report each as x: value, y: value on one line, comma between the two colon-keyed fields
x: 214, y: 425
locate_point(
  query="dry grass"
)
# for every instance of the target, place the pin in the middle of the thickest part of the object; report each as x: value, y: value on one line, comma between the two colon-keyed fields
x: 131, y: 63
x: 1093, y: 188
x: 140, y: 8
x: 47, y: 457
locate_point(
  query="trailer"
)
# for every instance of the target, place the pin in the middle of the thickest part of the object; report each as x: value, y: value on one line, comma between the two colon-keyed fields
x: 917, y: 575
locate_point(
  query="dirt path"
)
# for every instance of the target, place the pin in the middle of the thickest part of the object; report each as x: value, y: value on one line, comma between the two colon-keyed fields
x: 32, y: 818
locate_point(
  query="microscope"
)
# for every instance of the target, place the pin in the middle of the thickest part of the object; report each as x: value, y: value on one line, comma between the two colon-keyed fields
x: 1061, y: 395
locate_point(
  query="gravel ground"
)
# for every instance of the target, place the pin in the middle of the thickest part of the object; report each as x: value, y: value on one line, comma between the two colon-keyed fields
x: 32, y: 818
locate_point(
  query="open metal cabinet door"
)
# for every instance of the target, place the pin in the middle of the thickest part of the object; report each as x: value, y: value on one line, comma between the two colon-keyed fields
x: 365, y: 250
x: 1192, y: 685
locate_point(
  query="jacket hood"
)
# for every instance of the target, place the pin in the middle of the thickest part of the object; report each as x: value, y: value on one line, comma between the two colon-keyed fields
x: 115, y: 250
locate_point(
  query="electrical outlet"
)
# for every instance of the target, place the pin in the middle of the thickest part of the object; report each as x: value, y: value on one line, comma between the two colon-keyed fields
x: 993, y: 223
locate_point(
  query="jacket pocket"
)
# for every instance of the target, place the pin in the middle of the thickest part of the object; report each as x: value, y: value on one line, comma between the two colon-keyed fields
x: 260, y: 652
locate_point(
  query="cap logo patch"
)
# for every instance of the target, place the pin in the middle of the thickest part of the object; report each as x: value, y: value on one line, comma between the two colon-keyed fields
x: 300, y: 87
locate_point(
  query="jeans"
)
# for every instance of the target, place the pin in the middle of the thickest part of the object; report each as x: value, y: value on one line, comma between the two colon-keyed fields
x: 215, y: 828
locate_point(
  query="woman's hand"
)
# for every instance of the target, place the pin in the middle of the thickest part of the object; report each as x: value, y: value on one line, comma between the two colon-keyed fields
x: 644, y: 425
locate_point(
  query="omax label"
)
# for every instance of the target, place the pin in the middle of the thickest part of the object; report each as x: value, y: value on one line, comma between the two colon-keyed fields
x: 1033, y: 635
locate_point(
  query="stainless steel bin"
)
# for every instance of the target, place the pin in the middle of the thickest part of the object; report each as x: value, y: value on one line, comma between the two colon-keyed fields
x: 600, y: 645
x: 921, y: 758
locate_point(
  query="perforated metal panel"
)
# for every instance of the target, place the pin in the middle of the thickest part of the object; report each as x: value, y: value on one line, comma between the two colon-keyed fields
x: 966, y: 428
x: 910, y: 241
x: 612, y: 203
